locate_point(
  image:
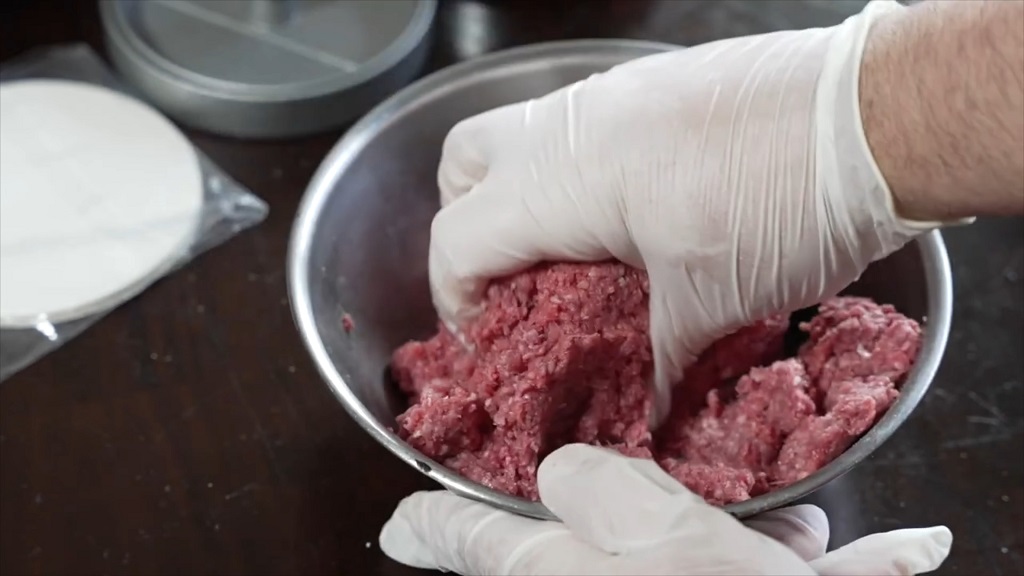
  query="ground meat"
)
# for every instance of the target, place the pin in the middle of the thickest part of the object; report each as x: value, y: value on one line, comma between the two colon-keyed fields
x: 820, y: 439
x: 727, y: 359
x: 854, y: 337
x: 716, y: 483
x: 446, y: 420
x: 347, y: 323
x: 561, y: 354
x: 746, y: 433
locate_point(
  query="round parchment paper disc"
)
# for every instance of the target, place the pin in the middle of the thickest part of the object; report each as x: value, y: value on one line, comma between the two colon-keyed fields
x: 99, y: 196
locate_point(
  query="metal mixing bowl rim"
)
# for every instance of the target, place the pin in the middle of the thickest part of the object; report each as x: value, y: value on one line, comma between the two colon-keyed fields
x: 932, y: 250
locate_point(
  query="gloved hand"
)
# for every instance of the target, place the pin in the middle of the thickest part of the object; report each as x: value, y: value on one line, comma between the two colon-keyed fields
x: 736, y: 173
x: 627, y: 516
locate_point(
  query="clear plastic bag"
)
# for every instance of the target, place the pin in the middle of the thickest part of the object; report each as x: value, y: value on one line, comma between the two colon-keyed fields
x: 227, y: 207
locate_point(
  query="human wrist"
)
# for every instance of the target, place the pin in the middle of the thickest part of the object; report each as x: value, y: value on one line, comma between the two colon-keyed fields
x: 894, y: 124
x: 861, y: 206
x: 941, y: 102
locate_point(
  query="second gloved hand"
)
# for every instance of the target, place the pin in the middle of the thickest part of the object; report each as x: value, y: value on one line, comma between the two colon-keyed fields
x: 627, y: 516
x: 736, y: 173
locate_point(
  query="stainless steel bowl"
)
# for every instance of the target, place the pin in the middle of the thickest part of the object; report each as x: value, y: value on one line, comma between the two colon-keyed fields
x: 359, y: 247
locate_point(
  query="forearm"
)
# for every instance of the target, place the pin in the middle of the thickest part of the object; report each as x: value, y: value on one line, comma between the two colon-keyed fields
x: 942, y: 103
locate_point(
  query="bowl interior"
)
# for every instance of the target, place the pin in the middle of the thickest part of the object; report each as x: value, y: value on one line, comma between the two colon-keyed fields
x: 364, y: 237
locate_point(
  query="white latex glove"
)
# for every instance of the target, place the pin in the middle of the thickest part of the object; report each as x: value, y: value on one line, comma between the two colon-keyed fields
x: 736, y: 173
x: 627, y: 516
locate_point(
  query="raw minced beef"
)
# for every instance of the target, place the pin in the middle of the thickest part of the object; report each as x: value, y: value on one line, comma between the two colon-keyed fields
x: 561, y: 354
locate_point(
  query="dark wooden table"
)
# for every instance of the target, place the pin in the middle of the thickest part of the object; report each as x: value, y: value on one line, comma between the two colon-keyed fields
x: 188, y: 433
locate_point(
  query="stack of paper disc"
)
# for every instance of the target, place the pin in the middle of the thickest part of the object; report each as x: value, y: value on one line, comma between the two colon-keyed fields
x: 99, y: 196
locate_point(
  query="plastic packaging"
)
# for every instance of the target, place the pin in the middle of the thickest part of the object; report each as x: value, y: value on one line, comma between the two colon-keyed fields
x: 226, y: 208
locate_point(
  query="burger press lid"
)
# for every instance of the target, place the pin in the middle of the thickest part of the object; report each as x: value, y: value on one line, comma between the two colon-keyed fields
x: 267, y: 68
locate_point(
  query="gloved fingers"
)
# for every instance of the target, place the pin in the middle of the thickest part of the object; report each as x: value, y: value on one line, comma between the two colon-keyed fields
x: 621, y: 504
x: 469, y: 147
x: 802, y: 528
x: 402, y: 543
x: 896, y: 553
x: 671, y: 356
x: 493, y: 231
x: 441, y: 531
x: 483, y: 235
